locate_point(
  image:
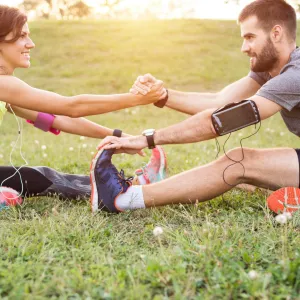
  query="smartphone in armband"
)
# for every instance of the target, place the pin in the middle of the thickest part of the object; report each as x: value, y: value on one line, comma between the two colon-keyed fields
x: 235, y: 116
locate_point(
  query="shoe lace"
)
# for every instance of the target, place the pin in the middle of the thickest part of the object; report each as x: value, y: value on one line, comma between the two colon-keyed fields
x: 125, y: 182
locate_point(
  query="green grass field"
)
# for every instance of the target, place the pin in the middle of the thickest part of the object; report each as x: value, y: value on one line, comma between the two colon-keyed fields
x: 59, y: 250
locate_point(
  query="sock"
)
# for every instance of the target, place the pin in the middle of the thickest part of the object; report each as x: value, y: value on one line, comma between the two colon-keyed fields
x: 141, y: 179
x: 132, y: 199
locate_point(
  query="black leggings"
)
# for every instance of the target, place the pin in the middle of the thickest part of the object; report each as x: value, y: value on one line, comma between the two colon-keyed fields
x: 43, y: 181
x: 298, y: 153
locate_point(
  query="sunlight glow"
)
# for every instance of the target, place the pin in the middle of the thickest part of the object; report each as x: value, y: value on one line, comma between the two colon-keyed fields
x: 167, y: 9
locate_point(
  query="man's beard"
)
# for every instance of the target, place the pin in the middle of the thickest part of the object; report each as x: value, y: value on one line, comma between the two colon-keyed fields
x: 267, y: 59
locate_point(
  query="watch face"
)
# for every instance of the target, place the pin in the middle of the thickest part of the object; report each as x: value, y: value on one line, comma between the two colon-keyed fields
x: 148, y: 132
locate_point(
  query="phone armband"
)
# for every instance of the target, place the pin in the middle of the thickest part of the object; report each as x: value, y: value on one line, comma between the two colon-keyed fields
x: 235, y: 116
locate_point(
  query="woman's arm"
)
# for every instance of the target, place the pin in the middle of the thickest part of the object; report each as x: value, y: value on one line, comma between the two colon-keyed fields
x: 16, y: 92
x: 79, y: 126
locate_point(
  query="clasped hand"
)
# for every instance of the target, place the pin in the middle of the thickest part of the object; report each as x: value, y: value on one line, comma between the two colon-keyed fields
x: 144, y: 85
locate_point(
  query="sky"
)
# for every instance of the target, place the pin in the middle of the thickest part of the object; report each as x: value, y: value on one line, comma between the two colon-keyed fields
x: 204, y: 9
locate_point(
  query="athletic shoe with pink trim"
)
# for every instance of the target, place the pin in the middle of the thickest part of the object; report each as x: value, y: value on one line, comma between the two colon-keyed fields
x: 156, y: 169
x: 286, y: 199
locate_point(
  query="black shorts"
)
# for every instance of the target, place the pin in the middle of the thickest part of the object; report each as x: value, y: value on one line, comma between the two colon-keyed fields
x: 298, y: 153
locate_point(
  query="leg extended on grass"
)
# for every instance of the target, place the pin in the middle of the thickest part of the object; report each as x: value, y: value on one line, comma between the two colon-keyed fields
x: 264, y: 168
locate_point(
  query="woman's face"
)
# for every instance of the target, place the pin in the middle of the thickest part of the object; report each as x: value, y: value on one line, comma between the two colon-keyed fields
x: 17, y: 54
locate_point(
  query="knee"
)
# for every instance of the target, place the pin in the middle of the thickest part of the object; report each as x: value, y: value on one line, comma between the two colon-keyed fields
x: 235, y: 164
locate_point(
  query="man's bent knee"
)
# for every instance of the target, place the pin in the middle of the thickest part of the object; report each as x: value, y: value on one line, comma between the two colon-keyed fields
x: 234, y: 165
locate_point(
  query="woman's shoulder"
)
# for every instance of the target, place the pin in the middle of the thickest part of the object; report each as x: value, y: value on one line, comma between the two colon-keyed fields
x: 7, y: 81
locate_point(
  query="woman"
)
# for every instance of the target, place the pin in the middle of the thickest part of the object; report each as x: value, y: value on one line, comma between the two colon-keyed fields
x: 28, y: 102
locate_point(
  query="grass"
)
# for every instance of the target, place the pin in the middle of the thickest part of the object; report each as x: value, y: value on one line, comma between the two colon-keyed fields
x: 57, y: 249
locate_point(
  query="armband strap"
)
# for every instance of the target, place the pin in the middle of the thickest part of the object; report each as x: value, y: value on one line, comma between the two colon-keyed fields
x: 44, y: 122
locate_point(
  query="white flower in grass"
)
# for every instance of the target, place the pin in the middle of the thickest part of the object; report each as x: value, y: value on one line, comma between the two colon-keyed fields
x: 45, y: 155
x: 36, y: 141
x: 281, y: 219
x: 1, y: 155
x: 82, y: 138
x: 282, y: 133
x: 92, y: 152
x: 288, y: 215
x: 84, y: 145
x: 44, y: 147
x: 253, y: 274
x: 71, y: 148
x: 158, y: 231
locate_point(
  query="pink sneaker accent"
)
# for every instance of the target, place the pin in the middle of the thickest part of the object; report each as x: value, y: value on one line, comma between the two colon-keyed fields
x: 156, y: 169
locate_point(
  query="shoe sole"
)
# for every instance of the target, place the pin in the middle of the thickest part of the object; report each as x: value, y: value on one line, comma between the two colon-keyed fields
x: 286, y: 199
x: 94, y: 192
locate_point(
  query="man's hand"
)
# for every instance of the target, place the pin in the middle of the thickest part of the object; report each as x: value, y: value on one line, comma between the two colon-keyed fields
x: 146, y: 84
x: 129, y: 145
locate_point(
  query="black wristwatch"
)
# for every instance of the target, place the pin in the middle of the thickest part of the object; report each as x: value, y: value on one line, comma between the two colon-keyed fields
x: 117, y: 132
x: 149, y: 134
x: 161, y: 103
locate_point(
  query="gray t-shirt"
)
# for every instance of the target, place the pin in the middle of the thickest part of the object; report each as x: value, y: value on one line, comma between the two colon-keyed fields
x: 283, y: 89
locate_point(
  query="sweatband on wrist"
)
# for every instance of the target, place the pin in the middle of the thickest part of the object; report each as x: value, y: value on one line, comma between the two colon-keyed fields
x: 44, y: 122
x: 117, y: 132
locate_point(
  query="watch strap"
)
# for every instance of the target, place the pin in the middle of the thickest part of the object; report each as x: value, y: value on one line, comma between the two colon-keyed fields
x: 150, y: 141
x: 117, y: 132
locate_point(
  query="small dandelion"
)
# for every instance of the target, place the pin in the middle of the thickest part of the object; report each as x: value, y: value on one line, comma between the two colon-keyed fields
x: 158, y: 231
x: 45, y: 155
x: 253, y: 274
x: 281, y: 219
x: 36, y: 141
x: 92, y: 152
x: 82, y: 138
x: 44, y: 147
x: 84, y: 145
x: 71, y: 149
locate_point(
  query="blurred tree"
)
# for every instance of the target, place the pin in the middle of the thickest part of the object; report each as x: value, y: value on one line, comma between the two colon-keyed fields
x: 57, y: 8
x: 79, y: 10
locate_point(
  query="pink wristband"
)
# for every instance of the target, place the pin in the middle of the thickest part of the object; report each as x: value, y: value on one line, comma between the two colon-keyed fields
x: 44, y: 122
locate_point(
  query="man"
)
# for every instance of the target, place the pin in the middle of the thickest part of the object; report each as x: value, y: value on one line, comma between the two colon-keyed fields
x: 268, y: 29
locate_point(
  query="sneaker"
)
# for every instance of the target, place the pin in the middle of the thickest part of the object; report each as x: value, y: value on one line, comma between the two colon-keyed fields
x: 286, y: 199
x: 9, y: 197
x: 106, y: 181
x: 156, y: 169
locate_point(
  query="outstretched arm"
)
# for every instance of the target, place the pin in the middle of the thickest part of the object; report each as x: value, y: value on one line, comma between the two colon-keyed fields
x: 194, y: 129
x: 78, y: 126
x: 18, y: 93
x: 192, y: 103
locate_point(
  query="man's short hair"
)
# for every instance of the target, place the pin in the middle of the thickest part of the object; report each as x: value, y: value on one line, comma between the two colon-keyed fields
x: 270, y: 13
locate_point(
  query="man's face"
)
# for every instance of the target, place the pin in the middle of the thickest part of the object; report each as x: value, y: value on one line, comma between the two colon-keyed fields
x: 258, y: 46
x: 17, y: 54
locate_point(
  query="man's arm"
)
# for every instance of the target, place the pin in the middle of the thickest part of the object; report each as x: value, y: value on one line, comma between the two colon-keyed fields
x: 194, y: 129
x: 192, y: 103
